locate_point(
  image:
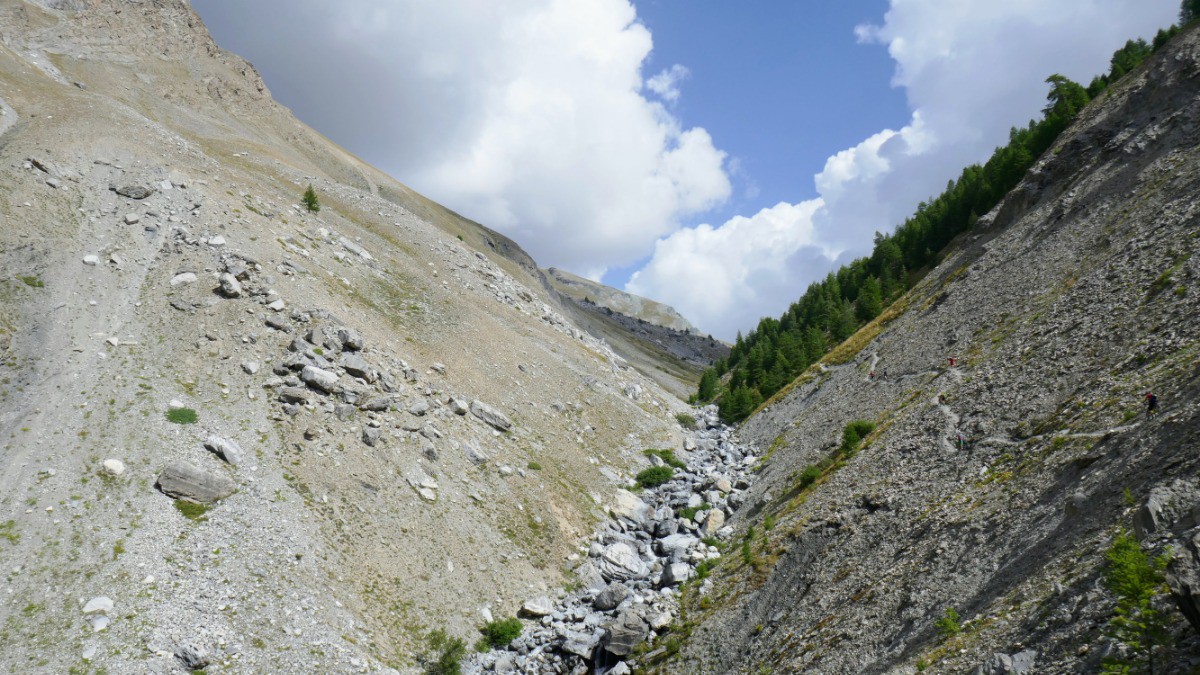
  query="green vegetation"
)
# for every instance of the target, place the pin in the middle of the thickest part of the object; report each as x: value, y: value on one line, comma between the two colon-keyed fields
x: 182, y: 416
x: 497, y: 634
x: 830, y: 311
x: 690, y: 512
x: 191, y: 510
x: 667, y: 456
x: 33, y: 282
x: 1135, y: 579
x: 655, y: 476
x: 853, y: 435
x: 534, y: 466
x: 310, y: 200
x: 686, y: 421
x: 447, y: 654
x: 948, y: 625
x: 6, y: 531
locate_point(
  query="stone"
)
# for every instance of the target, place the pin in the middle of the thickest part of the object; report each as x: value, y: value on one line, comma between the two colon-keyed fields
x: 370, y: 436
x: 193, y: 656
x: 114, y: 467
x: 610, y: 598
x: 250, y: 367
x: 439, y: 368
x: 226, y: 449
x: 1003, y: 664
x: 419, y: 408
x: 675, y: 574
x: 620, y: 562
x: 100, y: 622
x: 345, y: 412
x: 295, y: 395
x: 183, y: 278
x: 626, y: 633
x: 319, y: 379
x: 356, y: 366
x: 475, y: 454
x: 277, y: 306
x: 377, y: 403
x: 630, y: 507
x: 134, y: 191
x: 723, y: 484
x: 218, y: 240
x: 54, y: 182
x: 280, y: 325
x: 490, y: 415
x: 230, y: 286
x: 538, y: 607
x: 132, y: 219
x: 351, y: 339
x: 98, y: 604
x: 427, y: 494
x: 714, y: 521
x: 459, y: 406
x: 182, y: 480
x: 91, y: 259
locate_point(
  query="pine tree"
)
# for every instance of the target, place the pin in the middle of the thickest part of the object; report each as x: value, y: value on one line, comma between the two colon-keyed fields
x: 310, y: 200
x: 1135, y: 579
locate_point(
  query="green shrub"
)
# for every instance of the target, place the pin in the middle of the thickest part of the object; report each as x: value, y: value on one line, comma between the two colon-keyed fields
x: 704, y: 568
x: 655, y: 476
x: 667, y: 456
x: 447, y: 656
x: 853, y: 435
x: 310, y: 200
x: 948, y: 625
x: 33, y: 282
x: 497, y: 634
x: 191, y: 510
x: 686, y: 421
x: 808, y: 476
x: 769, y: 522
x: 1135, y: 579
x: 690, y: 512
x: 534, y: 466
x: 182, y: 416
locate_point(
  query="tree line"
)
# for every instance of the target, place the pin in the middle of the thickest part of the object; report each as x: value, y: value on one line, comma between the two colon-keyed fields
x: 831, y: 310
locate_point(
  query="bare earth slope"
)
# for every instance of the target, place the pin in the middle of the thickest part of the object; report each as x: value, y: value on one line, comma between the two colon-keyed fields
x: 1062, y: 308
x: 421, y: 438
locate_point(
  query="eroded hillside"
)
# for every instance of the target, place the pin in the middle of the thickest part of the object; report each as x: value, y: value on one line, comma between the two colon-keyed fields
x: 992, y: 485
x: 410, y: 433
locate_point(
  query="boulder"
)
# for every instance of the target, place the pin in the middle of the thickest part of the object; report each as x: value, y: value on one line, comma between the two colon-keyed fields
x: 580, y: 644
x: 419, y: 408
x: 630, y: 507
x: 537, y: 607
x: 226, y: 449
x: 319, y: 379
x: 183, y: 278
x: 181, y: 480
x: 610, y: 598
x: 193, y: 656
x: 375, y: 403
x: 676, y: 543
x: 490, y: 415
x: 626, y: 633
x: 230, y: 286
x: 675, y: 574
x: 459, y: 406
x: 1004, y: 664
x: 714, y: 521
x: 351, y: 339
x: 620, y: 562
x: 357, y: 366
x: 134, y: 191
x: 295, y: 395
x: 114, y: 467
x: 370, y: 436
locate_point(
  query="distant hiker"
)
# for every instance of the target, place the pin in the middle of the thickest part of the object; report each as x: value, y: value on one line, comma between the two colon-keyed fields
x: 952, y: 361
x: 1151, y: 404
x: 871, y: 375
x: 941, y: 399
x: 883, y: 375
x: 962, y: 441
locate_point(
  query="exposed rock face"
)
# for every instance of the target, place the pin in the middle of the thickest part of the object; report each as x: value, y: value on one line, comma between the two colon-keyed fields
x: 490, y: 415
x: 630, y: 305
x: 1063, y: 307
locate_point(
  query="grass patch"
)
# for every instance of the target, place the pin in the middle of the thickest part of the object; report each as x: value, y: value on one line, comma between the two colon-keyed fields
x: 6, y: 531
x: 690, y: 512
x: 686, y: 421
x: 498, y: 634
x: 32, y: 282
x: 667, y: 456
x: 534, y: 466
x: 182, y: 416
x: 948, y: 625
x: 191, y: 510
x: 655, y: 476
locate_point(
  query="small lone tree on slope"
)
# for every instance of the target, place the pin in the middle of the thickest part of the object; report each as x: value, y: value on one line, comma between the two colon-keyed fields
x: 310, y: 200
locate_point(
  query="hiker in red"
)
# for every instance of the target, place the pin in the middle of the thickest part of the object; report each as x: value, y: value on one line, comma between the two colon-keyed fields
x: 952, y: 361
x: 1151, y: 404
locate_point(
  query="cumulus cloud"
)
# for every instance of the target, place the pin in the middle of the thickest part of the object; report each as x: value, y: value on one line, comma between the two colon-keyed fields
x: 531, y: 116
x: 666, y: 83
x: 970, y: 72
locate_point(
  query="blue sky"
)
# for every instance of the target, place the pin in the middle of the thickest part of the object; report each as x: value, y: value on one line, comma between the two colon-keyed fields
x: 716, y: 156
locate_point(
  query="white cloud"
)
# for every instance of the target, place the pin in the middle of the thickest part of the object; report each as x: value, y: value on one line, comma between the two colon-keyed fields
x: 666, y: 83
x: 970, y: 70
x: 530, y: 116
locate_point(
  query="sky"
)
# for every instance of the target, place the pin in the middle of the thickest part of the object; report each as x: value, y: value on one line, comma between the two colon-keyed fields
x: 716, y: 156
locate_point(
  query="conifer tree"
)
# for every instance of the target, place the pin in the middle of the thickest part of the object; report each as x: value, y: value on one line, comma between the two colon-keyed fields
x: 310, y: 200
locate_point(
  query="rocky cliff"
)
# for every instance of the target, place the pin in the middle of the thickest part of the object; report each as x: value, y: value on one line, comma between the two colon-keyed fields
x: 241, y: 434
x: 630, y: 305
x: 993, y: 484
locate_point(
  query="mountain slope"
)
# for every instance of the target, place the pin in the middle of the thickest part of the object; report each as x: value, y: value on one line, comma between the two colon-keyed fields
x: 420, y: 437
x: 1062, y: 307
